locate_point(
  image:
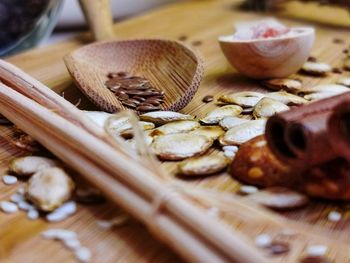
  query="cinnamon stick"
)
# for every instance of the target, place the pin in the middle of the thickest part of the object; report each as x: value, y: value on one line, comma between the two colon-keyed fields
x: 299, y: 137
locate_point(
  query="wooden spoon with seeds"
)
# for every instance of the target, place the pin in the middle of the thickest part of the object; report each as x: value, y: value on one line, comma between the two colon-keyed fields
x: 168, y: 65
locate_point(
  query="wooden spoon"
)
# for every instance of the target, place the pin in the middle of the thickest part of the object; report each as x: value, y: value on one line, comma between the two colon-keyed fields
x: 168, y: 65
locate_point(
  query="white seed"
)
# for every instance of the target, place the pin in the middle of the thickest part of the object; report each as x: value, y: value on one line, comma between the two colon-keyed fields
x: 162, y: 117
x: 286, y: 98
x: 230, y: 154
x: 229, y: 122
x: 72, y: 243
x: 231, y: 148
x: 8, y: 207
x: 62, y: 212
x: 58, y: 233
x: 9, y: 179
x: 98, y: 117
x: 25, y: 206
x: 83, y: 254
x: 317, y: 250
x: 268, y: 107
x: 290, y: 85
x: 216, y: 115
x: 117, y: 221
x: 211, y: 132
x: 49, y: 188
x: 33, y: 214
x: 244, y: 99
x: 176, y: 127
x: 334, y: 216
x: 21, y: 190
x: 56, y: 217
x: 248, y: 189
x: 263, y: 241
x: 16, y: 198
x: 25, y: 166
x: 344, y: 81
x: 316, y: 68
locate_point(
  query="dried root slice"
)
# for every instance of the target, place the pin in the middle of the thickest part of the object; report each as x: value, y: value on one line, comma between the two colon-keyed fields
x: 279, y: 198
x: 344, y: 81
x: 204, y: 165
x: 289, y: 85
x: 180, y: 146
x: 229, y: 122
x: 211, y: 132
x: 176, y: 127
x: 244, y: 132
x: 162, y: 117
x: 26, y: 166
x: 218, y: 114
x: 286, y: 98
x: 244, y: 99
x: 316, y: 68
x: 98, y: 117
x: 49, y: 188
x: 267, y: 107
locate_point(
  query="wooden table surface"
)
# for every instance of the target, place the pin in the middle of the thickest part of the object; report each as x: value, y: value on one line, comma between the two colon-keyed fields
x: 203, y: 21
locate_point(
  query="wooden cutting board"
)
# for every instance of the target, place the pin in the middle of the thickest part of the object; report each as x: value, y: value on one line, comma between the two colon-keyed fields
x: 201, y: 22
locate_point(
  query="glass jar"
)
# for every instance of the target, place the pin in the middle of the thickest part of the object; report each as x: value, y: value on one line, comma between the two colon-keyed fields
x: 24, y: 23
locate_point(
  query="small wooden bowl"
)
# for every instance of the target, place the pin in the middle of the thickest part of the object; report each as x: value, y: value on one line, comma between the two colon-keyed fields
x: 169, y: 65
x: 271, y: 57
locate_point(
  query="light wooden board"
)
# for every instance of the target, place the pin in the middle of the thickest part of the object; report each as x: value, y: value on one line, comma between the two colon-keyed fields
x: 199, y: 20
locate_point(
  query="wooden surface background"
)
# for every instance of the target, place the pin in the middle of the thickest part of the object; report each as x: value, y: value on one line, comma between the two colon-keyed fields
x: 200, y: 21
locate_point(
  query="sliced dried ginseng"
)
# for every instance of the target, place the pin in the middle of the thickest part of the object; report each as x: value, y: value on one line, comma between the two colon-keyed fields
x: 245, y: 99
x: 176, y: 127
x: 344, y: 81
x: 162, y: 117
x: 180, y: 146
x: 229, y: 122
x: 218, y: 114
x: 279, y: 198
x: 286, y: 98
x: 49, y: 188
x: 290, y: 85
x: 316, y: 68
x: 98, y: 117
x: 203, y: 165
x: 243, y: 132
x: 25, y: 166
x: 212, y: 132
x: 267, y: 107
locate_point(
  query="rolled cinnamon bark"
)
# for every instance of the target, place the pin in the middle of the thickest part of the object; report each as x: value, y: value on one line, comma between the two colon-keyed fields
x: 299, y: 137
x: 339, y: 129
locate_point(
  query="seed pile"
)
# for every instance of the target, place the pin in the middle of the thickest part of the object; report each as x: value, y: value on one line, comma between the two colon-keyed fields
x: 135, y: 92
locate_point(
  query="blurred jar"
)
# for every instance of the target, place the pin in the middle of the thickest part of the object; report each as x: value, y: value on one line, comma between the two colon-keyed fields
x: 24, y: 23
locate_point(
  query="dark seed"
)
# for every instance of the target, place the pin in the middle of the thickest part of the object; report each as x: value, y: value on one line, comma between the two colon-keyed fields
x: 278, y: 248
x: 338, y: 41
x: 196, y: 43
x: 314, y: 259
x: 337, y: 70
x: 183, y: 38
x: 311, y: 59
x: 208, y: 98
x: 136, y: 102
x: 122, y: 74
x: 129, y: 104
x: 136, y: 92
x: 144, y: 104
x: 112, y: 75
x: 140, y: 99
x: 147, y: 108
x: 123, y: 96
x: 153, y: 102
x: 345, y: 51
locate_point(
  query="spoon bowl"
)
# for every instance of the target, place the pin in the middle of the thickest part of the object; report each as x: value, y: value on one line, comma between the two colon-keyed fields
x: 169, y: 66
x: 264, y: 58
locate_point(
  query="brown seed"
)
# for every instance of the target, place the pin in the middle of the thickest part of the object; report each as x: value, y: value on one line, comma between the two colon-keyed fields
x: 337, y: 70
x: 129, y: 104
x: 153, y: 102
x: 338, y: 41
x: 196, y: 43
x: 147, y: 108
x: 315, y: 259
x: 183, y: 38
x: 135, y: 92
x: 112, y: 75
x: 278, y: 247
x: 311, y: 59
x: 136, y: 102
x: 208, y: 98
x: 140, y: 99
x: 123, y: 96
x: 345, y: 51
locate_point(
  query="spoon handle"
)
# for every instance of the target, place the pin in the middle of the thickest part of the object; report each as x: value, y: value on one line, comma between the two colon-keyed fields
x: 99, y: 17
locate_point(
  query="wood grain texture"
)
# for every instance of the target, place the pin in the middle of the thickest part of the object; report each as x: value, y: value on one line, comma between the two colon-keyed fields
x: 168, y: 65
x: 200, y: 21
